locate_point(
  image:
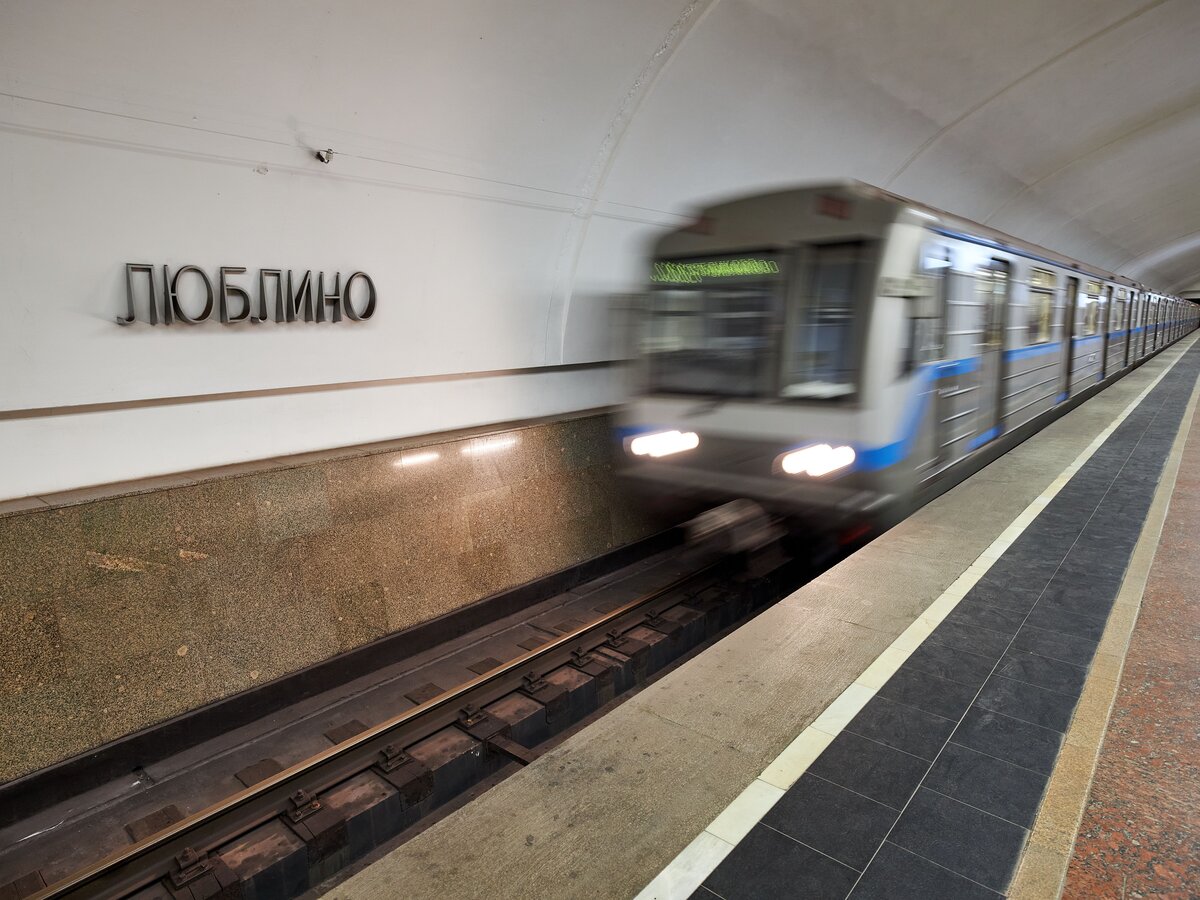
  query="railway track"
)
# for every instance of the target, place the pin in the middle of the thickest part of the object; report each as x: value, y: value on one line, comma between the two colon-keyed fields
x: 555, y: 685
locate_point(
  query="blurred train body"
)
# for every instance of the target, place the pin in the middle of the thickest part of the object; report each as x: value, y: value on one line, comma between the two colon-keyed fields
x: 840, y: 355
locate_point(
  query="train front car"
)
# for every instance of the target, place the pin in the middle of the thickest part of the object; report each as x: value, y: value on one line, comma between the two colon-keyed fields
x: 776, y: 359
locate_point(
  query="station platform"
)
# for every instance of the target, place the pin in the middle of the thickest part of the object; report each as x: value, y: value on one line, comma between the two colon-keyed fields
x: 922, y: 720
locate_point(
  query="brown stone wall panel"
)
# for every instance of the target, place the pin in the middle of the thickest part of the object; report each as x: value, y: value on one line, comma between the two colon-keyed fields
x: 47, y: 721
x: 367, y: 487
x: 31, y: 643
x: 42, y: 555
x: 489, y: 516
x: 120, y: 612
x: 586, y: 446
x: 291, y: 502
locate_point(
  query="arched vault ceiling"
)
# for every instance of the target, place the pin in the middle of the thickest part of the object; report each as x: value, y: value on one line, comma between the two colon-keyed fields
x: 1072, y: 123
x: 532, y: 147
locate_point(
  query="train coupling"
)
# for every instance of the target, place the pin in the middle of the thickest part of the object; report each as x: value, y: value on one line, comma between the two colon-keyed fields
x: 739, y: 526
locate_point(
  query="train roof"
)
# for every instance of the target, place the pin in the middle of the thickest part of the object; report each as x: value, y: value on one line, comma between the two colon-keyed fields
x: 876, y: 208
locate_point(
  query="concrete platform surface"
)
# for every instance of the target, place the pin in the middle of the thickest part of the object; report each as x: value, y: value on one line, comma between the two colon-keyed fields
x: 602, y: 814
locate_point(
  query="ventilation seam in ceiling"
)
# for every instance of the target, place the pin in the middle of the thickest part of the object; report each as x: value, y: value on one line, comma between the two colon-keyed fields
x: 576, y: 233
x: 938, y: 135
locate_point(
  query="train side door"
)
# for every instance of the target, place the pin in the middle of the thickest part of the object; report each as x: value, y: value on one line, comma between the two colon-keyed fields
x: 1140, y: 321
x: 992, y: 287
x: 929, y: 342
x: 1069, y: 310
x: 1151, y: 309
x: 1105, y: 327
x: 1128, y: 326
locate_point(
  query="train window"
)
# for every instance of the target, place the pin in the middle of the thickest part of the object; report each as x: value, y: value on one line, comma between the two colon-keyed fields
x: 819, y: 357
x: 991, y: 283
x: 927, y: 336
x: 1116, y: 316
x: 1040, y: 305
x: 936, y: 260
x: 1091, y: 309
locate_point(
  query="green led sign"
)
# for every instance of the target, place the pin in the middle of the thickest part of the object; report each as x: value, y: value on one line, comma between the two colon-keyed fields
x: 695, y: 272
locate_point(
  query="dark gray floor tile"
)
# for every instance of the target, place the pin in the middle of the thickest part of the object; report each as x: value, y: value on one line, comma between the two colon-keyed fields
x: 702, y: 893
x: 1054, y: 530
x: 1101, y: 554
x: 769, y: 864
x: 903, y: 727
x: 1146, y: 481
x: 1049, y: 536
x: 1119, y: 516
x: 831, y: 819
x: 1075, y: 499
x: 1031, y: 560
x: 939, y: 696
x: 1088, y: 484
x: 947, y: 662
x: 1117, y: 529
x: 1018, y: 742
x: 882, y: 773
x: 1066, y: 647
x: 987, y: 783
x: 1053, y: 618
x: 1008, y: 591
x: 1082, y: 591
x: 1027, y: 702
x: 897, y: 874
x: 1095, y: 477
x: 1004, y: 619
x: 1052, y: 674
x: 960, y: 838
x: 968, y: 637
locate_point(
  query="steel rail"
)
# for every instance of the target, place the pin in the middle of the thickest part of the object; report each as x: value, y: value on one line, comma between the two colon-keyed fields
x: 146, y: 861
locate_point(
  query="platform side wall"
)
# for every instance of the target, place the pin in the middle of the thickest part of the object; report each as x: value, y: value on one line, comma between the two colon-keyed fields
x: 121, y: 612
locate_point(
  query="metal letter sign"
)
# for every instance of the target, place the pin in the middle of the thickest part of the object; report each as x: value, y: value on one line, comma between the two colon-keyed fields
x: 328, y: 300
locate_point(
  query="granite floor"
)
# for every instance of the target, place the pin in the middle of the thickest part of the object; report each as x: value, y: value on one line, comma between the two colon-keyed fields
x: 1140, y: 835
x: 625, y: 802
x: 930, y: 791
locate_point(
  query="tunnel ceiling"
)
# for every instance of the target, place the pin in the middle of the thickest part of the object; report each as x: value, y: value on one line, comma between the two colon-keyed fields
x: 550, y: 138
x: 1072, y: 123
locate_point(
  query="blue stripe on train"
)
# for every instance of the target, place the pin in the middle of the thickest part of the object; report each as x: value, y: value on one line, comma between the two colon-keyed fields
x: 1035, y: 350
x: 872, y: 459
x: 980, y: 439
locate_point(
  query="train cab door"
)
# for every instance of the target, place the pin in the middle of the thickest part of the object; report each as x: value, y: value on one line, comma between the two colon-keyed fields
x: 1070, y: 308
x: 992, y: 287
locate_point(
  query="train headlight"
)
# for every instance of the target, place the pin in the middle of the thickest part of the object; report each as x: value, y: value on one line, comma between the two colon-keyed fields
x: 663, y: 443
x: 817, y: 460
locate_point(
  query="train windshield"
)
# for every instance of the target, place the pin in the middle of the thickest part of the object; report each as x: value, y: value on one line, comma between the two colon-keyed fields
x: 763, y: 326
x: 819, y: 359
x: 710, y: 327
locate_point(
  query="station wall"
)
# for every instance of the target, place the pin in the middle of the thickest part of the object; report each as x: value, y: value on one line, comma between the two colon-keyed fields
x: 500, y: 174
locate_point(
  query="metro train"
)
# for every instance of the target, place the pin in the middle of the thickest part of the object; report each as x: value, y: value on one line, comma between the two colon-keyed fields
x: 840, y: 355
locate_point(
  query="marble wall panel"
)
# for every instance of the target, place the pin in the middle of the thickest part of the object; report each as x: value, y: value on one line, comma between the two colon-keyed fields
x: 121, y: 612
